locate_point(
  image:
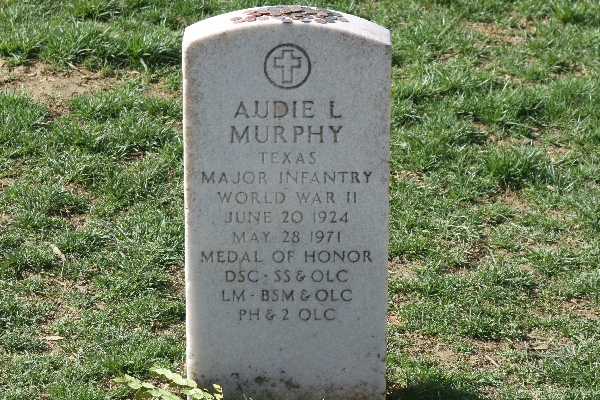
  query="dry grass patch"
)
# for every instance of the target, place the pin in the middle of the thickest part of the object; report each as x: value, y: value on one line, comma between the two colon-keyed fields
x: 498, y: 34
x: 50, y: 87
x: 409, y: 175
x: 512, y: 200
x: 580, y: 308
x: 483, y: 355
x: 476, y: 255
x: 401, y: 269
x: 54, y: 88
x: 5, y: 182
x: 177, y: 278
x: 508, y: 198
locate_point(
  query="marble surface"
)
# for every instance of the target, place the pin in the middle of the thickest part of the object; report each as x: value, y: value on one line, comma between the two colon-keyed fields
x: 286, y: 135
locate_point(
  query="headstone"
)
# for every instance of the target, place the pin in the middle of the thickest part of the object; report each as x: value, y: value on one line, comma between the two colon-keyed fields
x: 286, y: 124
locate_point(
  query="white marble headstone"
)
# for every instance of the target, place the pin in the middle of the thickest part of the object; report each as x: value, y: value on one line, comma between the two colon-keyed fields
x: 286, y: 130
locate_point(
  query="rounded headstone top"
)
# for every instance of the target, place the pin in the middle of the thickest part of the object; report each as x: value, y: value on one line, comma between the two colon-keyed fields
x: 285, y: 17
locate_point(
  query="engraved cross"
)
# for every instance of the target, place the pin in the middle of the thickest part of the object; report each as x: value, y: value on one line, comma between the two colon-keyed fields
x: 287, y: 62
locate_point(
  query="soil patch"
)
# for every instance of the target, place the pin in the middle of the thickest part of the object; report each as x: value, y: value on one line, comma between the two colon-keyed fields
x: 401, y: 269
x: 485, y: 355
x: 409, y: 175
x: 496, y: 33
x: 56, y: 88
x: 53, y: 88
x: 514, y: 201
x: 177, y: 278
x: 581, y: 308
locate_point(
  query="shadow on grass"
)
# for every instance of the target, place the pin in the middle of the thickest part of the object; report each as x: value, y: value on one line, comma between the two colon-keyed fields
x: 432, y: 388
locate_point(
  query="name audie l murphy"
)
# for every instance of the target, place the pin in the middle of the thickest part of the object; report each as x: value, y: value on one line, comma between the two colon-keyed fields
x: 277, y: 109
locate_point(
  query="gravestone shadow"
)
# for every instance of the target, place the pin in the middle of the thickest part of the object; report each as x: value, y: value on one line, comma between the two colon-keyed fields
x: 432, y: 388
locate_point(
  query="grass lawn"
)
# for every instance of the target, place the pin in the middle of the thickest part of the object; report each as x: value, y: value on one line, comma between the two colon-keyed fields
x: 495, y: 198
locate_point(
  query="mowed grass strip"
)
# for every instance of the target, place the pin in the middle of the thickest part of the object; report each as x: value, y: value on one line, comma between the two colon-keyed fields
x: 92, y: 242
x: 494, y: 214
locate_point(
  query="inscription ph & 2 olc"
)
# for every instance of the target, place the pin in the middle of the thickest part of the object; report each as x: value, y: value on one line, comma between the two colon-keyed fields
x: 304, y: 314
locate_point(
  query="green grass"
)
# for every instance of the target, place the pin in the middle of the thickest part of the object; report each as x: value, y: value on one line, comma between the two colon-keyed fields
x: 494, y: 210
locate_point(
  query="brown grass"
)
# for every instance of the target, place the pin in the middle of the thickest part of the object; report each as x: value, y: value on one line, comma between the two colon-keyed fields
x: 55, y: 88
